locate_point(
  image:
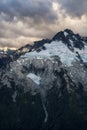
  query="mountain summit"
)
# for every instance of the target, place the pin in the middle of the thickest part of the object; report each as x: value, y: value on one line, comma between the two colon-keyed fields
x: 45, y: 87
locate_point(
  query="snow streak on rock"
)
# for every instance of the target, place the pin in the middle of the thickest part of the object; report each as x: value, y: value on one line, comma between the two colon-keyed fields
x: 34, y: 77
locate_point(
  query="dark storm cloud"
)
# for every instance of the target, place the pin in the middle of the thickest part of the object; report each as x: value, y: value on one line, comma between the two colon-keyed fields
x: 24, y: 21
x: 75, y: 8
x: 36, y: 9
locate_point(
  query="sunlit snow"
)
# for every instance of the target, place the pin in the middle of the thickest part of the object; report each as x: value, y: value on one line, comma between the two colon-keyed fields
x: 57, y: 48
x: 54, y: 49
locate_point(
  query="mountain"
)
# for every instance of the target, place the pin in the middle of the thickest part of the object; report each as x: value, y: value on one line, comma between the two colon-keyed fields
x: 45, y: 86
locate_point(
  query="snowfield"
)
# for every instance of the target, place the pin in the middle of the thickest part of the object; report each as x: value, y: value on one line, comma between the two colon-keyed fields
x: 57, y: 48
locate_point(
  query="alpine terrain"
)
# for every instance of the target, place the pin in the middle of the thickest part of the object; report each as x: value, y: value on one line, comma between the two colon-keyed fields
x: 44, y: 86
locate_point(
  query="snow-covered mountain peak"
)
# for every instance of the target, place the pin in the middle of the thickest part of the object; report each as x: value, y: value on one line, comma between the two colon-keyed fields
x: 67, y: 53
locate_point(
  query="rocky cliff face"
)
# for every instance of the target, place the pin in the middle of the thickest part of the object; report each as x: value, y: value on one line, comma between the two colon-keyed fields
x: 46, y: 89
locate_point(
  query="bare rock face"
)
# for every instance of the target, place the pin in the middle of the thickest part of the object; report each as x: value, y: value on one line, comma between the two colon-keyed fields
x: 38, y: 73
x: 78, y: 74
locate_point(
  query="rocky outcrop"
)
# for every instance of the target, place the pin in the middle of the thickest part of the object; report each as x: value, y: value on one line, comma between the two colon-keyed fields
x: 4, y: 60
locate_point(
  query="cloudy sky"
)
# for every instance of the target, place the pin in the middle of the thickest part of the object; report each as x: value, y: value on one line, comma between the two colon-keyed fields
x: 25, y: 21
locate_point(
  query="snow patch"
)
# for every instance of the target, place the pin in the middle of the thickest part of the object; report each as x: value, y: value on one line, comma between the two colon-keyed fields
x: 11, y: 70
x: 71, y: 42
x: 66, y: 34
x: 74, y: 37
x: 35, y: 78
x: 19, y: 62
x: 46, y: 113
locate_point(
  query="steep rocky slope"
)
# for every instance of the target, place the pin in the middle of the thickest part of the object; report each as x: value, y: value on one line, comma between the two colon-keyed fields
x: 46, y: 88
